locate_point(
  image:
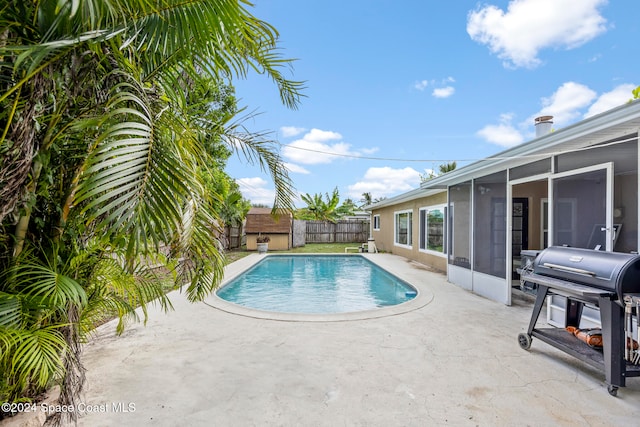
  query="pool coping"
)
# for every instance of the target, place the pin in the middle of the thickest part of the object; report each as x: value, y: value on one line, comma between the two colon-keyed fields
x: 233, y: 270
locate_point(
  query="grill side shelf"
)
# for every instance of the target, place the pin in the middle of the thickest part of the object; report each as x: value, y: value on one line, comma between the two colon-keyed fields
x: 564, y: 286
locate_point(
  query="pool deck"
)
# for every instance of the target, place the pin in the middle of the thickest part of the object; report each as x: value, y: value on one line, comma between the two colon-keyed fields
x: 451, y: 359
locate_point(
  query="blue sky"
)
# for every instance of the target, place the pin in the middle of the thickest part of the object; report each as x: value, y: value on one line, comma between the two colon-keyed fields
x: 396, y: 88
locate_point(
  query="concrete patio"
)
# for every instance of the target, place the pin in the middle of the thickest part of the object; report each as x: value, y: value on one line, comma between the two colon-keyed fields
x: 452, y: 358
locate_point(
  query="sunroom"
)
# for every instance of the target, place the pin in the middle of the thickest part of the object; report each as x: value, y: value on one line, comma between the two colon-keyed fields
x: 577, y: 186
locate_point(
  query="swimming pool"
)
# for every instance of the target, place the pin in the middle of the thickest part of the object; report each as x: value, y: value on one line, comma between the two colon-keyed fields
x: 316, y: 284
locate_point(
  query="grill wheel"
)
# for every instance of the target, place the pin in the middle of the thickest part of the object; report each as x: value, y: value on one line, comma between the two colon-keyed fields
x: 525, y: 341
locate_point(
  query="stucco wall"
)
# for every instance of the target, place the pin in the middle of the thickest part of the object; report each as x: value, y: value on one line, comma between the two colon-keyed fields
x: 384, y: 238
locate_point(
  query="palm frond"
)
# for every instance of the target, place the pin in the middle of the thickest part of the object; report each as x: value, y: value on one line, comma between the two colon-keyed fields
x: 260, y: 148
x: 134, y: 181
x: 11, y: 314
x: 34, y: 354
x: 118, y: 293
x: 43, y: 281
x: 220, y: 38
x: 203, y: 258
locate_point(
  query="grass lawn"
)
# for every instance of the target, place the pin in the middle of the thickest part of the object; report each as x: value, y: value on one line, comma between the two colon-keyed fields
x: 317, y: 248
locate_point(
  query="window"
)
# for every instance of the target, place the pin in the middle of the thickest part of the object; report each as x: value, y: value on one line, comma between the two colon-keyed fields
x: 433, y: 229
x: 403, y: 228
x: 376, y: 222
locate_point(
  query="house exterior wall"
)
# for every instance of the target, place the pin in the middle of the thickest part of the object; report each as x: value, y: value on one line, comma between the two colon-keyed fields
x: 385, y: 237
x: 587, y: 172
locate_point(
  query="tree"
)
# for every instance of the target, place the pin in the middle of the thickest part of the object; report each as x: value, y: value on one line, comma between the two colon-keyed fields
x: 319, y: 209
x: 367, y: 199
x: 447, y: 167
x: 230, y: 206
x: 103, y: 143
x: 443, y: 168
x: 347, y: 208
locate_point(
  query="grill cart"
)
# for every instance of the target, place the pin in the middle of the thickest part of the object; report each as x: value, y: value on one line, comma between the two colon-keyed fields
x: 607, y: 280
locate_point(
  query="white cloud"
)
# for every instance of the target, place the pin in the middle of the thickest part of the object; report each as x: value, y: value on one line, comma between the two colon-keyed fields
x: 369, y: 150
x: 443, y: 92
x: 292, y: 167
x: 618, y: 96
x: 385, y: 181
x: 421, y: 85
x: 322, y: 135
x: 529, y: 26
x: 254, y: 189
x: 316, y: 147
x: 289, y: 131
x: 565, y: 103
x: 502, y: 134
x: 442, y: 87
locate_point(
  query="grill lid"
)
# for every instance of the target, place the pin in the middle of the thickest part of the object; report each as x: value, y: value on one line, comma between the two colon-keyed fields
x: 611, y: 271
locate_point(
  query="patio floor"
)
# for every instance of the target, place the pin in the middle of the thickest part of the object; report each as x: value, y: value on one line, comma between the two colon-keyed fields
x: 452, y: 359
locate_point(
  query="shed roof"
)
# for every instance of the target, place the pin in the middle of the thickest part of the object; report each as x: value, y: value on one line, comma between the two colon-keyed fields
x: 260, y: 220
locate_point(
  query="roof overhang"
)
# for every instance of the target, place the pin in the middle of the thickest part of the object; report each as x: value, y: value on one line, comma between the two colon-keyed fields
x: 405, y: 197
x: 608, y: 126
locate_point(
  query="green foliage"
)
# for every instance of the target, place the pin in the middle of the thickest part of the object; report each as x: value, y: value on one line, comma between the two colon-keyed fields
x: 30, y: 359
x: 319, y: 209
x: 443, y: 168
x: 50, y: 294
x: 368, y: 199
x: 347, y: 208
x: 447, y: 167
x: 116, y: 120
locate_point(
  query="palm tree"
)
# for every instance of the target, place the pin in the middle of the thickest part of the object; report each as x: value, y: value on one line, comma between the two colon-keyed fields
x: 447, y: 167
x: 443, y: 168
x: 102, y: 141
x: 319, y: 209
x: 366, y: 199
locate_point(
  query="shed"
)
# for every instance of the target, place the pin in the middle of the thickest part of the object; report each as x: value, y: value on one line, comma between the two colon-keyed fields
x: 279, y: 229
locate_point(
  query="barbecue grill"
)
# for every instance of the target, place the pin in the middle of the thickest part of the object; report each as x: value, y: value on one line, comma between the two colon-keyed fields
x: 608, y: 280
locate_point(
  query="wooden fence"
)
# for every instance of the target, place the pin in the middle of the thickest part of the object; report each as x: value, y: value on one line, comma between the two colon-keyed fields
x: 235, y: 237
x: 339, y: 232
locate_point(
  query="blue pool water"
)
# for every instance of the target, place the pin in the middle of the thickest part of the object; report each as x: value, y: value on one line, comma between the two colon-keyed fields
x: 316, y: 284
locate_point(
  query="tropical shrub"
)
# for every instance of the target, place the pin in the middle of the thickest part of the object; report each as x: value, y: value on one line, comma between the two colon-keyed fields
x: 112, y: 115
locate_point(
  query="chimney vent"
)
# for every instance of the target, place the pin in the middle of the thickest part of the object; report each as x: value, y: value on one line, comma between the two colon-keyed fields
x: 543, y: 125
